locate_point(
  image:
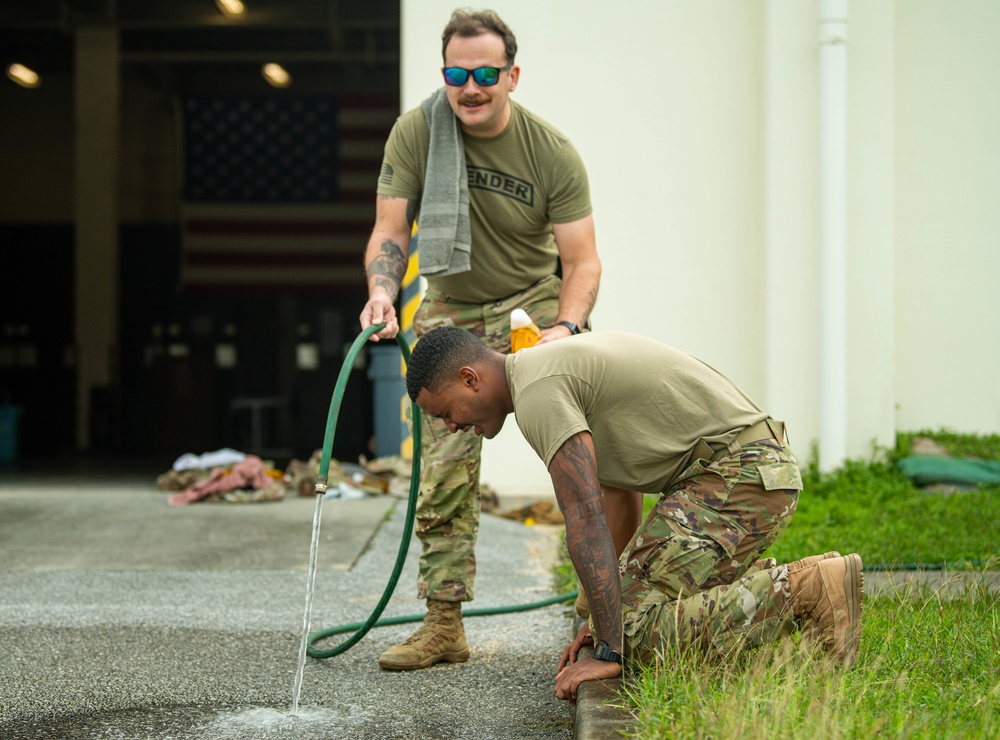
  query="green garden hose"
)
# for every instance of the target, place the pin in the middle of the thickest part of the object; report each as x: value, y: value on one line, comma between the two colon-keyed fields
x: 360, y: 629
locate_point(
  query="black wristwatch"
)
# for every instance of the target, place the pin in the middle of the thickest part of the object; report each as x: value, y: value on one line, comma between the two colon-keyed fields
x: 573, y: 328
x: 603, y: 651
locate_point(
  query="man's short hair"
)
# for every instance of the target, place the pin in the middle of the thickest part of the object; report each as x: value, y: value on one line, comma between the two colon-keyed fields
x: 439, y: 354
x: 470, y: 23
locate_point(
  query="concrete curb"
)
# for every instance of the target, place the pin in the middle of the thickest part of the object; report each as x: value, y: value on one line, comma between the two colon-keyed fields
x: 598, y: 715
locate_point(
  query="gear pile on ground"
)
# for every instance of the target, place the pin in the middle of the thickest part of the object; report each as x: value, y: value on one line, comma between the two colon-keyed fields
x: 376, y: 477
x: 249, y: 480
x: 235, y: 477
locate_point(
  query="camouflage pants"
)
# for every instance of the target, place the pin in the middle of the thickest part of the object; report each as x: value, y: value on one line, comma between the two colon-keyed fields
x: 447, y: 515
x: 689, y: 579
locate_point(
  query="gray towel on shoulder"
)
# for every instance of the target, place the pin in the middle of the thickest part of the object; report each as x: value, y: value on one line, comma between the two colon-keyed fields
x: 445, y: 236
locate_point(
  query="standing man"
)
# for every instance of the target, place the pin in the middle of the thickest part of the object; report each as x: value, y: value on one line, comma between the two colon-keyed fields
x: 503, y: 205
x: 610, y: 408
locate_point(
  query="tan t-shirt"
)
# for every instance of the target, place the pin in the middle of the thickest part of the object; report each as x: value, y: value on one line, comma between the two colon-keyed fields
x: 520, y: 183
x: 645, y: 404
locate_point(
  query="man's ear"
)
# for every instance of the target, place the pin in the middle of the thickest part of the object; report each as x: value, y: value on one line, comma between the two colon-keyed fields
x: 515, y: 75
x: 469, y: 378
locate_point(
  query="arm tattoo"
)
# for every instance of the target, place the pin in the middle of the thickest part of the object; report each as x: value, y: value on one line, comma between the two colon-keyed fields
x: 387, y: 267
x: 574, y: 476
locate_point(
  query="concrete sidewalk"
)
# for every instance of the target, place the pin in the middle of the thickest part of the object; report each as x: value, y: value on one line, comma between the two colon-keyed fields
x: 121, y: 616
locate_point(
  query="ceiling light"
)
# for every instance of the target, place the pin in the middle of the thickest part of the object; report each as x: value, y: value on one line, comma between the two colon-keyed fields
x: 232, y: 8
x: 23, y: 76
x: 276, y: 75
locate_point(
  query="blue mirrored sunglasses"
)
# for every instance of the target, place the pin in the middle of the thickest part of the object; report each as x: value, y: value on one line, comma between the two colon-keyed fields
x: 484, y: 76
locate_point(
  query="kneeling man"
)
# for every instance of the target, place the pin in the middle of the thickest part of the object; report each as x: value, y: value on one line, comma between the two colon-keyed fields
x: 612, y: 412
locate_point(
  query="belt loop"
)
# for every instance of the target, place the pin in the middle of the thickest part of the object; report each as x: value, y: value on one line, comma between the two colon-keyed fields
x: 702, y: 451
x: 778, y: 430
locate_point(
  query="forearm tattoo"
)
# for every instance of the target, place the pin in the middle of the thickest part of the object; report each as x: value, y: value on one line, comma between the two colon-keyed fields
x: 387, y: 268
x: 574, y: 476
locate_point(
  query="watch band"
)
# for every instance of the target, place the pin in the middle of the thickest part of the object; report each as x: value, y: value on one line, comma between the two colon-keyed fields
x: 573, y: 328
x: 603, y: 651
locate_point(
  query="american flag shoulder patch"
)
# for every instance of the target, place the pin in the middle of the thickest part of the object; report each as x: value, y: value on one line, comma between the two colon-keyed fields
x: 385, y: 177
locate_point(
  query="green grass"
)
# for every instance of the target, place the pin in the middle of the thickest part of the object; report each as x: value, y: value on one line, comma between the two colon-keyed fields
x: 928, y: 668
x: 874, y: 510
x: 871, y: 508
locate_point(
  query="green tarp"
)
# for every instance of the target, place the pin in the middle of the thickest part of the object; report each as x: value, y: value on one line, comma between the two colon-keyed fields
x: 924, y: 470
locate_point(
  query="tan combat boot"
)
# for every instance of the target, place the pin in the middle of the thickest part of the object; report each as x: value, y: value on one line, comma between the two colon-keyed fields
x: 769, y: 563
x: 827, y: 598
x: 441, y: 638
x: 812, y: 560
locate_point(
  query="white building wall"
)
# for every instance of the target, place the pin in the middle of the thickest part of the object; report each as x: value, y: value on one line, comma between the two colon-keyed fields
x: 698, y: 124
x: 871, y: 360
x: 790, y: 183
x: 947, y: 177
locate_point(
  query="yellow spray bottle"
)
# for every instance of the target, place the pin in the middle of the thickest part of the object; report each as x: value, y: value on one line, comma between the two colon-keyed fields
x: 523, y: 331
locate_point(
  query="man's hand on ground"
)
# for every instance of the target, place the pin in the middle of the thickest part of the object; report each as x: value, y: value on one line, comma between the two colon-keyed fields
x: 568, y: 680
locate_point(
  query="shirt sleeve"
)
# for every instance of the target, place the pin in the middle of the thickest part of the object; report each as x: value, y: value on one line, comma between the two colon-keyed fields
x: 569, y: 187
x: 550, y: 411
x: 405, y: 157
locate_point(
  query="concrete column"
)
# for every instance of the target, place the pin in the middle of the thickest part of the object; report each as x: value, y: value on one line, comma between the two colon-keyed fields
x: 96, y: 111
x: 833, y: 138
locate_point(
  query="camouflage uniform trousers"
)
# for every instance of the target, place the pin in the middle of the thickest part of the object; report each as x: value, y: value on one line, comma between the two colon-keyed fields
x: 447, y: 515
x: 690, y: 578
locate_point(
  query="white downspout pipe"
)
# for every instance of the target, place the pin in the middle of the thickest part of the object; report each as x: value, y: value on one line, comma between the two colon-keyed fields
x: 833, y: 20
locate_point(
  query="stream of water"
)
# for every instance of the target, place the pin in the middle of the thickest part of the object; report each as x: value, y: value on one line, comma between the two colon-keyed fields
x: 307, y: 616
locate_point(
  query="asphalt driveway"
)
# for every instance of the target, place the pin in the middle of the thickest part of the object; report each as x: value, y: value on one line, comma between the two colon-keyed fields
x: 122, y: 617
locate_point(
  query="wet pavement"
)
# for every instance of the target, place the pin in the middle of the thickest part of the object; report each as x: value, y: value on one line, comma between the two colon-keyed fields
x: 123, y: 617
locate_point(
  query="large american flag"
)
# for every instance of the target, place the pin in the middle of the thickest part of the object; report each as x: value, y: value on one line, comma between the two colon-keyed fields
x: 279, y: 192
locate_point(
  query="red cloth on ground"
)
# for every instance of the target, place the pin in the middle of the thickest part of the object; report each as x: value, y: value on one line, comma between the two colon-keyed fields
x: 250, y: 473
